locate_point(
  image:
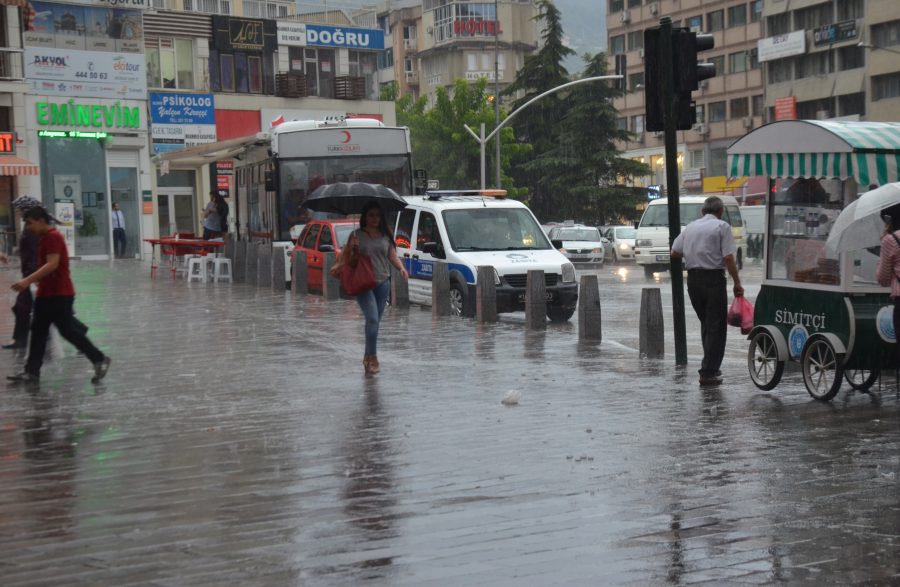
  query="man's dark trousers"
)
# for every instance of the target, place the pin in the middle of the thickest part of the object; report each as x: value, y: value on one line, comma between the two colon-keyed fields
x: 56, y: 310
x: 119, y: 242
x: 708, y: 291
x: 22, y: 311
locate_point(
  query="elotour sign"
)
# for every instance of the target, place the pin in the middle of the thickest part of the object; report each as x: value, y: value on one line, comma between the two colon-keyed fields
x: 104, y: 115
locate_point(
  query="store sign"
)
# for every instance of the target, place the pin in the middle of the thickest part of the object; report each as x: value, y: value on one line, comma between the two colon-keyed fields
x: 782, y: 46
x: 225, y: 167
x: 835, y: 33
x: 181, y: 120
x: 352, y: 38
x: 244, y: 34
x: 292, y: 34
x: 473, y: 76
x: 85, y: 74
x: 108, y: 115
x: 113, y: 26
x: 72, y: 134
x: 469, y: 27
x: 7, y: 143
x: 786, y: 108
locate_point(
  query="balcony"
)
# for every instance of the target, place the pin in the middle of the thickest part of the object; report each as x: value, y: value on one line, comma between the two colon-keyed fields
x: 290, y: 85
x: 411, y: 45
x: 323, y: 14
x: 272, y: 10
x: 347, y: 87
x: 412, y: 77
x: 11, y: 64
x: 208, y: 6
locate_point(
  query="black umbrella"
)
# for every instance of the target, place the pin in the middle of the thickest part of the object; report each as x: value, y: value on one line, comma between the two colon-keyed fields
x: 349, y: 198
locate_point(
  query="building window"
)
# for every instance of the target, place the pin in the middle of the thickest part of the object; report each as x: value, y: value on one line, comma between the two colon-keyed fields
x: 754, y: 58
x: 616, y: 6
x: 756, y: 10
x: 697, y: 157
x: 636, y: 81
x: 815, y: 109
x: 885, y: 86
x: 226, y: 67
x: 781, y: 70
x: 815, y: 64
x: 695, y: 23
x: 851, y: 104
x: 716, y: 111
x: 737, y: 62
x: 850, y: 9
x: 886, y: 34
x: 757, y: 103
x: 622, y: 123
x: 617, y: 44
x: 635, y: 40
x: 719, y: 62
x: 170, y: 63
x: 634, y: 3
x: 700, y: 113
x: 813, y: 17
x: 637, y: 124
x: 740, y: 107
x: 779, y: 24
x: 385, y: 59
x: 715, y: 21
x: 851, y: 57
x: 737, y: 15
x: 447, y: 15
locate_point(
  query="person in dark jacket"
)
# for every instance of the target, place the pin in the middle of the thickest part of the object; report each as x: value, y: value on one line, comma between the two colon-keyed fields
x: 28, y: 254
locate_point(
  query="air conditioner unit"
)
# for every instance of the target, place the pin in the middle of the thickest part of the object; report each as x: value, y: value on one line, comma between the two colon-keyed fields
x: 701, y: 129
x: 654, y: 8
x: 748, y: 122
x: 625, y: 16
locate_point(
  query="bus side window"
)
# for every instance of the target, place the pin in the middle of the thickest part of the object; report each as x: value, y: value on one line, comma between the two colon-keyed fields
x: 403, y: 234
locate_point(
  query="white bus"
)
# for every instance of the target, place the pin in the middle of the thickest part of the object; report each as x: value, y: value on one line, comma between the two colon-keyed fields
x: 274, y: 178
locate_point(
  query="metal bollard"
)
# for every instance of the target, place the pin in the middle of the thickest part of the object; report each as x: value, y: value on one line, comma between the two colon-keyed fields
x: 652, y: 334
x: 278, y: 277
x: 331, y: 286
x: 264, y: 267
x: 535, y: 301
x: 300, y: 274
x: 589, y: 316
x: 239, y: 265
x: 399, y: 291
x: 485, y: 294
x: 440, y: 290
x: 252, y: 263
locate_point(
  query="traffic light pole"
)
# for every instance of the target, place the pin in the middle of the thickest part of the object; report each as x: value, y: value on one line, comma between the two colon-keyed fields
x: 667, y: 89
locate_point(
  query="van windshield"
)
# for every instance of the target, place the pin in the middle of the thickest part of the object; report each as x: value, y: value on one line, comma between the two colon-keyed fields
x: 659, y: 215
x: 493, y: 229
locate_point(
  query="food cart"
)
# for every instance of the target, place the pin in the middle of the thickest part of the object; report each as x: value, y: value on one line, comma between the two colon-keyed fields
x: 822, y: 309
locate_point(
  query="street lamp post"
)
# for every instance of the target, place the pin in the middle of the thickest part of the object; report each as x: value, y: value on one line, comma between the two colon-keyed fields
x: 482, y: 140
x: 497, y: 86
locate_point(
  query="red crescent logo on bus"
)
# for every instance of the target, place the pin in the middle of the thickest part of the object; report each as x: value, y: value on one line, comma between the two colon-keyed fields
x: 346, y: 136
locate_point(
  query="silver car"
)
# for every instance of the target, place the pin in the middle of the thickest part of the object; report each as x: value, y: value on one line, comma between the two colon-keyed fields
x: 621, y: 242
x: 580, y: 244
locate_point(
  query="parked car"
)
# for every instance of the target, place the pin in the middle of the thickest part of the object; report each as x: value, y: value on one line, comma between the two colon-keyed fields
x: 621, y: 242
x: 580, y: 244
x: 320, y: 237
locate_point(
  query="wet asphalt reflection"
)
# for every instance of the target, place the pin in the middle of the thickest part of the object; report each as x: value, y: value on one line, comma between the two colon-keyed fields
x: 236, y: 441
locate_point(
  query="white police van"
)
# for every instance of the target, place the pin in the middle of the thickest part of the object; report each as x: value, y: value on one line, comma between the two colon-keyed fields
x: 467, y: 229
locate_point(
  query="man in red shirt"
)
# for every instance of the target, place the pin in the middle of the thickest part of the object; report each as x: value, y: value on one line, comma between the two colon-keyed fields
x: 55, y: 298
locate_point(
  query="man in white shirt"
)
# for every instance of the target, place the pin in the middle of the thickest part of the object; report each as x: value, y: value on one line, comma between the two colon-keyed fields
x: 118, y: 223
x: 708, y: 249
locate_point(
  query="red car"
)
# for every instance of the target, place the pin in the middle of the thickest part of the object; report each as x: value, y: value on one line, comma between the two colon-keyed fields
x: 320, y: 237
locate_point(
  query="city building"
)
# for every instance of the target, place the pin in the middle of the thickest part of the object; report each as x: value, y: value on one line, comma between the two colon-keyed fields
x: 727, y: 106
x: 402, y: 24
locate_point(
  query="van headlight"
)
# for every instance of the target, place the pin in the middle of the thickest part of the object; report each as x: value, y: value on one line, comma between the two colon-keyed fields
x: 568, y: 273
x: 644, y: 242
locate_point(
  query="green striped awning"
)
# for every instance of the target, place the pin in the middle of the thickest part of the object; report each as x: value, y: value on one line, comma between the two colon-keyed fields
x: 868, y: 152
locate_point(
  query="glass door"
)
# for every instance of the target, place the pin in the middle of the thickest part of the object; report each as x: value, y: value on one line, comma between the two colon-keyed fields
x: 124, y: 192
x: 176, y: 211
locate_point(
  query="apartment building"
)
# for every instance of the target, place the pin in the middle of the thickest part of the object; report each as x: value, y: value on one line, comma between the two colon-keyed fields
x: 727, y: 105
x: 832, y: 59
x: 402, y: 25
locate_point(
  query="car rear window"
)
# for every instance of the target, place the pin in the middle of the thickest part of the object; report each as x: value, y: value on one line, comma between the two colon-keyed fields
x: 579, y: 234
x: 343, y: 232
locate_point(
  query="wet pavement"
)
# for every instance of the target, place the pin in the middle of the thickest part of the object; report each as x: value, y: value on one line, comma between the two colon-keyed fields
x: 235, y: 441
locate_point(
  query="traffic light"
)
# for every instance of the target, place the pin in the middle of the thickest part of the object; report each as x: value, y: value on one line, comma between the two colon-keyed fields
x: 687, y: 74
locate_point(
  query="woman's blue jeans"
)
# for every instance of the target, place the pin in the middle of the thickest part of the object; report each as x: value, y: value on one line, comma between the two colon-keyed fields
x: 372, y: 305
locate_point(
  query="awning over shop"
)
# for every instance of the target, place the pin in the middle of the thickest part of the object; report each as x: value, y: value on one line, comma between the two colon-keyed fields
x: 19, y: 3
x: 12, y: 165
x: 207, y: 153
x: 868, y: 152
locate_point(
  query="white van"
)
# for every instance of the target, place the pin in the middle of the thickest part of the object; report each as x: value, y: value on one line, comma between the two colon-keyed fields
x: 467, y: 229
x: 651, y: 249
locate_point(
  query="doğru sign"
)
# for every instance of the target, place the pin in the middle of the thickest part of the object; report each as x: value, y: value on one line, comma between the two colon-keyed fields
x: 72, y: 114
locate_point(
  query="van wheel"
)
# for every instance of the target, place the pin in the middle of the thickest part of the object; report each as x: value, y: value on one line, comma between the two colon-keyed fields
x: 559, y: 314
x: 740, y: 259
x: 649, y: 270
x: 457, y: 299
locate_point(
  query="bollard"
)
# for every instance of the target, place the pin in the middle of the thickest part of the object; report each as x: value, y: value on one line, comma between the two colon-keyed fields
x: 652, y: 341
x: 589, y: 317
x: 300, y: 274
x: 229, y: 249
x: 239, y: 265
x: 331, y: 286
x: 252, y: 263
x: 399, y: 291
x: 440, y: 290
x: 485, y: 294
x: 535, y: 301
x: 278, y: 276
x: 264, y: 267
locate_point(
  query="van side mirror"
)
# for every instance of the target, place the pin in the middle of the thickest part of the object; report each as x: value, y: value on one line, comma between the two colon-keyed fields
x: 433, y: 249
x: 557, y: 244
x: 326, y: 249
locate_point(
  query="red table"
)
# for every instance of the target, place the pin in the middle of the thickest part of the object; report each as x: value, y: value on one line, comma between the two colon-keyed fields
x: 173, y: 248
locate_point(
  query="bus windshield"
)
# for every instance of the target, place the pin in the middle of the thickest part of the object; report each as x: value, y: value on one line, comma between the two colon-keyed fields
x: 493, y: 229
x: 659, y: 215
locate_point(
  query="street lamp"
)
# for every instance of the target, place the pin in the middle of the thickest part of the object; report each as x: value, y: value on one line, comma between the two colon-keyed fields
x: 497, y: 83
x: 873, y: 47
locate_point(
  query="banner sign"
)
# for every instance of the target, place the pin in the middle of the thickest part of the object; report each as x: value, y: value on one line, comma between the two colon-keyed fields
x: 244, y: 34
x: 835, y: 33
x: 88, y: 74
x: 181, y: 120
x: 782, y: 46
x: 292, y: 34
x: 330, y: 36
x: 84, y: 28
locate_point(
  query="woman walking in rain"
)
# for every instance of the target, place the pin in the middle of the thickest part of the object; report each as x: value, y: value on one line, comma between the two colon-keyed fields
x: 375, y: 241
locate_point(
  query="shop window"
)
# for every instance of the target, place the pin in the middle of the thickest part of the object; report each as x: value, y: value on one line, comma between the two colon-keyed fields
x: 226, y: 66
x: 716, y: 111
x: 715, y: 21
x: 319, y: 64
x: 886, y: 86
x: 737, y: 15
x: 254, y: 65
x: 242, y: 72
x: 740, y: 107
x: 295, y: 58
x: 170, y: 63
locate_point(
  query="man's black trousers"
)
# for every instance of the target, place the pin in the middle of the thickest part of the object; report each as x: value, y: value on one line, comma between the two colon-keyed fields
x: 708, y: 291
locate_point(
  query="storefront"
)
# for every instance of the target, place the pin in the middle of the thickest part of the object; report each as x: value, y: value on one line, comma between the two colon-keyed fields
x: 93, y: 153
x: 11, y: 167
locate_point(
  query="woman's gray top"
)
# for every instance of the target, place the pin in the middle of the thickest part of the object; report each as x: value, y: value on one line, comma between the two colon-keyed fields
x: 377, y: 250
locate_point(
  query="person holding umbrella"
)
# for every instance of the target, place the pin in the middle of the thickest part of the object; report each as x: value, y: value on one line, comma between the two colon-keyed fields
x: 374, y: 240
x: 888, y: 271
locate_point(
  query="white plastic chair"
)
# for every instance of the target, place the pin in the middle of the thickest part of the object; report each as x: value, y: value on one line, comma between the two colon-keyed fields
x: 222, y: 269
x: 197, y: 268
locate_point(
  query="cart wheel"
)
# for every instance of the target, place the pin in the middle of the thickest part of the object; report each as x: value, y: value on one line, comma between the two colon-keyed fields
x: 822, y: 369
x: 861, y: 379
x: 762, y: 361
